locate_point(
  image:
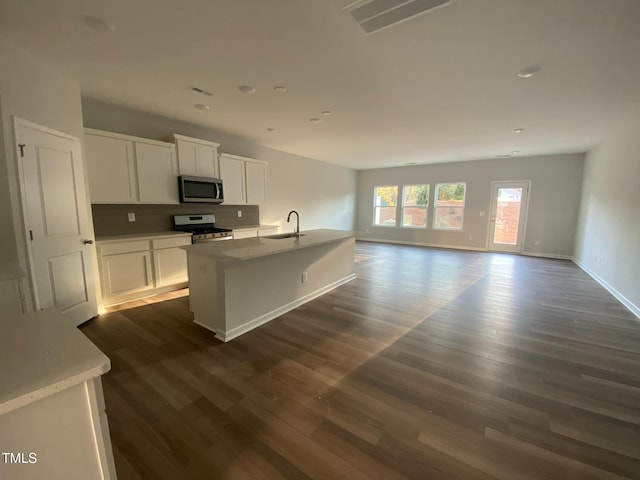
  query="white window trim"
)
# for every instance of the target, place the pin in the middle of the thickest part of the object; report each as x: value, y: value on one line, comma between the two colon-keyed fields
x: 375, y: 206
x: 426, y: 207
x: 435, y: 206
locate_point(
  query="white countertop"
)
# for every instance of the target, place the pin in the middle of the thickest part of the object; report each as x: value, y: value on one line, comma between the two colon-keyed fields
x: 42, y: 354
x: 140, y: 236
x: 248, y: 248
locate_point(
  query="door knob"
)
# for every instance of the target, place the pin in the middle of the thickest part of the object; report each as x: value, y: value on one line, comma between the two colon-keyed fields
x: 87, y: 242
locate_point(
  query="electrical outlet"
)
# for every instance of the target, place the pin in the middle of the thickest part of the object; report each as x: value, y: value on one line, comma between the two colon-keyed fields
x: 239, y: 213
x: 132, y: 217
x: 470, y: 237
x: 536, y: 243
x: 482, y: 214
x: 304, y: 277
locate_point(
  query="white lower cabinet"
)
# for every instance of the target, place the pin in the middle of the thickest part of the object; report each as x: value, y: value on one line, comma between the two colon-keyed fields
x: 126, y: 273
x: 131, y: 269
x: 245, y: 233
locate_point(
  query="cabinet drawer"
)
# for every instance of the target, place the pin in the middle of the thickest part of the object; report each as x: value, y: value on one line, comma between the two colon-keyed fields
x: 123, y: 247
x: 170, y: 242
x: 245, y: 233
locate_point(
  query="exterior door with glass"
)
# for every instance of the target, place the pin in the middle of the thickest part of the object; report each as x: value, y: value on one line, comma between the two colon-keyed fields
x: 509, y: 202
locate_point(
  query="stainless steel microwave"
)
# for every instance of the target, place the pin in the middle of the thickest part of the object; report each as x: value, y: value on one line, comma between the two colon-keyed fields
x: 200, y: 189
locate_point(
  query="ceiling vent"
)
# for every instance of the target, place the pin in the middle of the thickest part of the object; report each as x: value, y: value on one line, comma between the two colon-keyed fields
x: 374, y: 15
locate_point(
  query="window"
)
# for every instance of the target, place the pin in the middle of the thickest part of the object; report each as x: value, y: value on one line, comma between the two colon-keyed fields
x: 415, y: 201
x: 385, y: 202
x: 448, y: 209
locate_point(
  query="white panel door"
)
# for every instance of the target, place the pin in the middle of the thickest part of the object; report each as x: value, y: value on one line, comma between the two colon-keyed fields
x: 57, y: 221
x: 157, y: 173
x: 509, y: 202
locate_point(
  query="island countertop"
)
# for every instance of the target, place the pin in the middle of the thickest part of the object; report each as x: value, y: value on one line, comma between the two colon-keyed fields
x: 41, y: 354
x: 248, y: 248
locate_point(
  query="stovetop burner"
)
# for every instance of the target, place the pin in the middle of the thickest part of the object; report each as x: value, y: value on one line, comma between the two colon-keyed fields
x: 197, y: 224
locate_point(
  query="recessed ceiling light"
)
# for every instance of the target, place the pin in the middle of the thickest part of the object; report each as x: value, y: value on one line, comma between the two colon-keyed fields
x: 518, y: 130
x: 271, y: 129
x: 506, y: 155
x: 201, y: 106
x: 515, y: 152
x: 410, y: 163
x: 98, y: 24
x: 248, y: 89
x: 280, y: 89
x: 326, y: 112
x: 315, y: 120
x: 528, y: 72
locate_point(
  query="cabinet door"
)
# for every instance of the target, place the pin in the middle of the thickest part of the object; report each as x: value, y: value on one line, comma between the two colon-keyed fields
x: 232, y: 175
x: 207, y: 160
x: 126, y: 273
x: 256, y: 174
x: 244, y: 234
x: 170, y: 266
x: 157, y: 173
x: 111, y: 170
x: 187, y: 157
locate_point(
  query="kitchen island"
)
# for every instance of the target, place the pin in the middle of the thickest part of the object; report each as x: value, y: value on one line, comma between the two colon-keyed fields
x: 238, y: 285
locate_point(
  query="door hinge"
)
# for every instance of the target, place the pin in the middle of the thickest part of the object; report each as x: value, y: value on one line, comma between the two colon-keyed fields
x: 21, y: 147
x: 31, y: 235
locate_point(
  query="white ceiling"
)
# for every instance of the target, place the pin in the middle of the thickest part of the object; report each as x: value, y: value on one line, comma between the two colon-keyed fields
x: 436, y: 88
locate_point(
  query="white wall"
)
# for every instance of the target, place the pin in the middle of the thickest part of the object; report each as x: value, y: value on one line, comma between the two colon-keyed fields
x: 553, y: 206
x: 35, y: 91
x: 607, y: 239
x: 323, y: 193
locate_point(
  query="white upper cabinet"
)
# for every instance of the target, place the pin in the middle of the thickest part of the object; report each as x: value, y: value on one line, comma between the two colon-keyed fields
x: 111, y: 167
x: 232, y: 175
x: 125, y: 169
x: 197, y: 157
x: 157, y: 173
x: 243, y: 179
x: 256, y: 176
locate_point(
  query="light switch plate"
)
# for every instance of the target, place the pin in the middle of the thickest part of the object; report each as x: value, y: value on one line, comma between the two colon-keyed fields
x: 132, y: 217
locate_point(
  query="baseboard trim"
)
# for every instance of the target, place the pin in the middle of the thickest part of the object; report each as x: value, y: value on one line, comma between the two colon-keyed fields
x: 420, y: 244
x: 267, y: 317
x: 548, y: 255
x: 633, y: 308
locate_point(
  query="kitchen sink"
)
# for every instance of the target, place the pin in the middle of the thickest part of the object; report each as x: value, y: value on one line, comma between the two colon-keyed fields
x: 285, y: 235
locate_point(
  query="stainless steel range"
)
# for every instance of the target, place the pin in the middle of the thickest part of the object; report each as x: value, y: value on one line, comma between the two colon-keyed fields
x: 202, y: 226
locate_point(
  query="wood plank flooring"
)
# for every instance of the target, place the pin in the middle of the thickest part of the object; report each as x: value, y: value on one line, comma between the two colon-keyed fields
x: 432, y: 364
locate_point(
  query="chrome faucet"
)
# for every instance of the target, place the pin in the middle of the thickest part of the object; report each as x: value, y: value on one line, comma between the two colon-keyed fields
x: 297, y: 221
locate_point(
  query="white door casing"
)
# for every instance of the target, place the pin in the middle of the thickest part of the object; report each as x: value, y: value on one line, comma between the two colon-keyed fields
x: 508, y: 215
x: 59, y: 234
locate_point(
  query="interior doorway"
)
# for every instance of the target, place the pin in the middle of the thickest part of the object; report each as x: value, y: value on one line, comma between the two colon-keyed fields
x: 509, y: 202
x: 57, y: 221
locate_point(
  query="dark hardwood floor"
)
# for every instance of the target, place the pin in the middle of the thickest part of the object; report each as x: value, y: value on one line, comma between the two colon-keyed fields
x: 433, y: 364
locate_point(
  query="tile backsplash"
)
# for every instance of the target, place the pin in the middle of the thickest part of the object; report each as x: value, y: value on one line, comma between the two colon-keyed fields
x: 112, y: 219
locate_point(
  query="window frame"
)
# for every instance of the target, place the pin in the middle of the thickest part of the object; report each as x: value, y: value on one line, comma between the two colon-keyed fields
x: 376, y: 206
x: 435, y: 206
x: 424, y: 207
